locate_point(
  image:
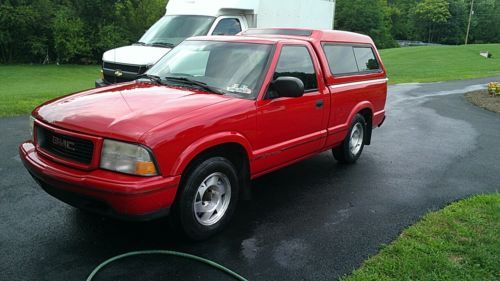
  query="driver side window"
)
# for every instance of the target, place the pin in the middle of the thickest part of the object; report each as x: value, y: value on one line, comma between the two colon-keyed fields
x: 296, y: 61
x: 229, y: 26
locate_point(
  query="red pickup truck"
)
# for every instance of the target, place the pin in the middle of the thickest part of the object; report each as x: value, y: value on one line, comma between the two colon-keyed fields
x: 187, y: 137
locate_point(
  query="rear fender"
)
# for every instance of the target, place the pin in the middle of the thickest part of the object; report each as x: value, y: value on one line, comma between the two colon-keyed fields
x: 359, y: 107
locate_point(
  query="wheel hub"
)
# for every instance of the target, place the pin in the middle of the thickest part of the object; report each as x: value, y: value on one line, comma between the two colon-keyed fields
x: 212, y: 199
x: 356, y: 139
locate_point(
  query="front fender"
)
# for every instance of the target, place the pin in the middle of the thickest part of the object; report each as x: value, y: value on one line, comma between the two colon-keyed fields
x: 207, y: 142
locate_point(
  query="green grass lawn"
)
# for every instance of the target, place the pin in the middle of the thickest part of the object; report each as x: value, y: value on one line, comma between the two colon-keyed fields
x: 440, y: 63
x: 460, y: 242
x: 22, y: 87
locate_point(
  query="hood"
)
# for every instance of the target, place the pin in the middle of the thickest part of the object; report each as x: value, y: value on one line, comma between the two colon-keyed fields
x: 136, y: 55
x: 125, y: 111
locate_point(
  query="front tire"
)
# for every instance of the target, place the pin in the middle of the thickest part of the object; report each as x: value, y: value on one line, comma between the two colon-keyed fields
x: 352, y: 146
x: 208, y: 198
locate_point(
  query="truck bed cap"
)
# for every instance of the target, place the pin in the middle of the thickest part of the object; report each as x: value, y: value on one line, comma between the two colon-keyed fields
x: 308, y: 34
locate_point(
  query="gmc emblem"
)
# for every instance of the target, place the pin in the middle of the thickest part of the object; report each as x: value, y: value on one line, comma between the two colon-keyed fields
x: 63, y: 143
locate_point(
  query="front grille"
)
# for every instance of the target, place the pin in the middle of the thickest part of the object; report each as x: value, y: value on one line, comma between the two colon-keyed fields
x: 64, y: 146
x: 114, y: 79
x: 139, y: 69
x: 118, y: 73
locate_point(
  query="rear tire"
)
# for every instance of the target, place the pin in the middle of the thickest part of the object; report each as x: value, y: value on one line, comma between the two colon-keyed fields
x: 352, y: 146
x: 207, y: 199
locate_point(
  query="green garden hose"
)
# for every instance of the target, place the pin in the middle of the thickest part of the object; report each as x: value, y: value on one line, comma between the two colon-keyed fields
x: 170, y: 253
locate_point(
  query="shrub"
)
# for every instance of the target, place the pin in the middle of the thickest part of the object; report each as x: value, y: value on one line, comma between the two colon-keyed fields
x: 494, y: 89
x: 111, y: 36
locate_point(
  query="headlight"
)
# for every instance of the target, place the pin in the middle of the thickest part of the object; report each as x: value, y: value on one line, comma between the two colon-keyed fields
x: 32, y: 127
x: 127, y: 158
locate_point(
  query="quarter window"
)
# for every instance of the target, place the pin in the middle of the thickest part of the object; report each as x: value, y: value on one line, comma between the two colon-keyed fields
x: 365, y: 58
x: 296, y: 61
x: 229, y: 26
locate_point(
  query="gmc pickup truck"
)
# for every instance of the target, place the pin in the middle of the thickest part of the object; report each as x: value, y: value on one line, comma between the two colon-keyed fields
x: 187, y: 137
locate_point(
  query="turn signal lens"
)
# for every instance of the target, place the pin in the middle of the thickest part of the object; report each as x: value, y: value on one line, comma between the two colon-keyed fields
x: 145, y: 168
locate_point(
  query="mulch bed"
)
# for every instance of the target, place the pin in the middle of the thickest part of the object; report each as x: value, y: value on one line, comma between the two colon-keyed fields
x: 482, y: 99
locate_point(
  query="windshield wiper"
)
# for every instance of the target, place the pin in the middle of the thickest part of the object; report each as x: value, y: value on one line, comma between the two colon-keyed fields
x: 139, y: 43
x: 196, y: 83
x: 154, y: 78
x: 162, y: 44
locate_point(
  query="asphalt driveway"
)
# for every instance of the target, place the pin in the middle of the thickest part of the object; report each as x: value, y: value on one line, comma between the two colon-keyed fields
x: 315, y: 220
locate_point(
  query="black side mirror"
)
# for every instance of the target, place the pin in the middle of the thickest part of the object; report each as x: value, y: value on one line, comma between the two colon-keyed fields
x: 287, y: 86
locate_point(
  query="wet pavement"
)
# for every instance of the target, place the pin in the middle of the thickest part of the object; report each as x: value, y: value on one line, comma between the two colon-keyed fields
x: 315, y: 220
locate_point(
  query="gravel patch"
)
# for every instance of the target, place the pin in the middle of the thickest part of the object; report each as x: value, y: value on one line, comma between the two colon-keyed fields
x: 482, y: 99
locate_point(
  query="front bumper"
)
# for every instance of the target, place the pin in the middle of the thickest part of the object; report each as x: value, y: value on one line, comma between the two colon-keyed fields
x: 105, y: 192
x: 101, y: 83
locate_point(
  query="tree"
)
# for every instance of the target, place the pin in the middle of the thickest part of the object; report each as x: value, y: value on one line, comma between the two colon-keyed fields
x: 485, y: 21
x: 453, y: 30
x: 368, y: 17
x: 69, y: 37
x: 110, y: 36
x: 402, y: 18
x: 21, y: 33
x: 71, y: 30
x: 432, y: 13
x: 138, y: 15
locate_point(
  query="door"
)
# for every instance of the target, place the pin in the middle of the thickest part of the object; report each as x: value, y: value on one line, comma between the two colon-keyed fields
x: 291, y: 128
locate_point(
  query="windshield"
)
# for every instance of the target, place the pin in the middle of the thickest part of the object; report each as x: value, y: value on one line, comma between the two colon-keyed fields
x: 231, y: 67
x: 172, y: 30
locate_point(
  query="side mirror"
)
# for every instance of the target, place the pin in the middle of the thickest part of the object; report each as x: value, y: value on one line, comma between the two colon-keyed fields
x: 287, y: 86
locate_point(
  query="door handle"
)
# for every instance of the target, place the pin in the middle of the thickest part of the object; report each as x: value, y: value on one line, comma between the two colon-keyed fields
x: 319, y: 103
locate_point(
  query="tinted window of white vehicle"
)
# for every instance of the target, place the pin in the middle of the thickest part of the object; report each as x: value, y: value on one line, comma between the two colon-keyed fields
x: 227, y: 27
x: 296, y: 61
x: 366, y: 59
x: 341, y: 59
x: 175, y: 29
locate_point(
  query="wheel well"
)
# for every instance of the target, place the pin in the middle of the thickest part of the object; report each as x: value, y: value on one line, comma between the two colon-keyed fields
x: 234, y: 152
x: 367, y: 114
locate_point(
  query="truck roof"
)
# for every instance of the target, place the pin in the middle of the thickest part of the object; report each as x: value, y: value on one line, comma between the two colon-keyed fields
x: 273, y: 35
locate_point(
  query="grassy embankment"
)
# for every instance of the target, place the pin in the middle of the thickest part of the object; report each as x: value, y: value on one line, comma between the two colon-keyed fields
x: 22, y: 87
x: 459, y: 242
x: 440, y: 63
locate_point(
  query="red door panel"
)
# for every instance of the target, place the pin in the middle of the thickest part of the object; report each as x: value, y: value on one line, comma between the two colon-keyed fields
x: 291, y: 128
